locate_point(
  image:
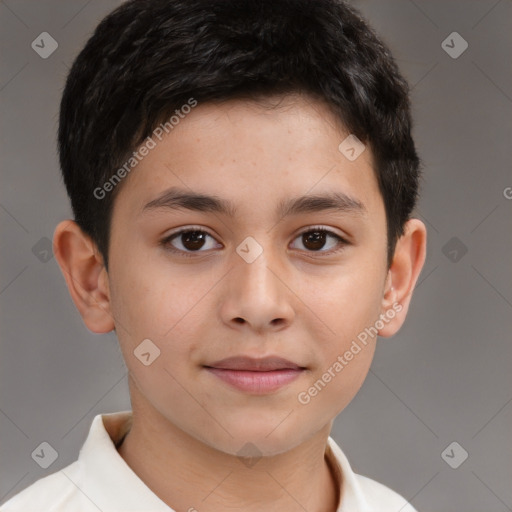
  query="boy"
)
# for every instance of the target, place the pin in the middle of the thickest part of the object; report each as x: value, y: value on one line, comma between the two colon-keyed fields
x: 242, y: 176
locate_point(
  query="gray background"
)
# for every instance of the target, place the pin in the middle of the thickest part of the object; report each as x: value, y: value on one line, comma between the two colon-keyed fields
x: 445, y: 377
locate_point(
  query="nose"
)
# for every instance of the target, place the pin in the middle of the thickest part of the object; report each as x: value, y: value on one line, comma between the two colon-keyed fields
x: 256, y: 295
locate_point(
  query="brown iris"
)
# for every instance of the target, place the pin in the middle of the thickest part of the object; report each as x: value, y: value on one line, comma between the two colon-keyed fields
x: 193, y: 240
x: 314, y: 240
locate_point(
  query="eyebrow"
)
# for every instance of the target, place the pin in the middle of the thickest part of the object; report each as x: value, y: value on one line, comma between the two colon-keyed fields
x: 176, y: 198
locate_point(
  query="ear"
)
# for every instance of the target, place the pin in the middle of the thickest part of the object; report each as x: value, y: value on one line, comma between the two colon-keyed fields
x: 85, y: 275
x: 408, y: 260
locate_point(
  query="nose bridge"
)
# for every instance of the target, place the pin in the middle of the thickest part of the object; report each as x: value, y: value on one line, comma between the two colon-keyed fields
x: 256, y: 293
x: 255, y: 272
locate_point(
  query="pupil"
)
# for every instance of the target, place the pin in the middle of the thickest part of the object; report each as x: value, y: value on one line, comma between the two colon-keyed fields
x: 316, y: 237
x: 193, y: 240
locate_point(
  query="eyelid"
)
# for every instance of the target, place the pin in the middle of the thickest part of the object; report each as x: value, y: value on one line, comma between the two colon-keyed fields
x: 187, y: 228
x: 327, y: 229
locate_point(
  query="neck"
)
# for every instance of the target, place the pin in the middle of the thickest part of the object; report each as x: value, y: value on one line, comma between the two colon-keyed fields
x: 187, y: 474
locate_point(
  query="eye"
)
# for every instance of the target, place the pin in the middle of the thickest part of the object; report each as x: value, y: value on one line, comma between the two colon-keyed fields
x: 196, y: 240
x: 316, y: 238
x: 187, y: 241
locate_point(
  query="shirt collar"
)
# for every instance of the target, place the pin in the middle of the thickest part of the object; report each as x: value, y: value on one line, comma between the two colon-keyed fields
x: 112, y: 485
x: 351, y: 495
x: 107, y: 479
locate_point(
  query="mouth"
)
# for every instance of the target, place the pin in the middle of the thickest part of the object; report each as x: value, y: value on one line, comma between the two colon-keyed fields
x: 255, y: 376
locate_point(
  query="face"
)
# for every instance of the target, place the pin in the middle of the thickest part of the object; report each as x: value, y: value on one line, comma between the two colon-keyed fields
x: 251, y: 294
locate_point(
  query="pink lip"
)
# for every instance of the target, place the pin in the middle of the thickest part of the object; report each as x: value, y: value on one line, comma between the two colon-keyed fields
x: 256, y: 376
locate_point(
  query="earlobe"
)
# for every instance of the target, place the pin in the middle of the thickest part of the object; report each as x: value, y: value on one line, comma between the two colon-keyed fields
x: 87, y: 280
x: 408, y: 260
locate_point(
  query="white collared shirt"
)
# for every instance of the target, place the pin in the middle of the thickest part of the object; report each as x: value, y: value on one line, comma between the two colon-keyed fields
x: 100, y: 480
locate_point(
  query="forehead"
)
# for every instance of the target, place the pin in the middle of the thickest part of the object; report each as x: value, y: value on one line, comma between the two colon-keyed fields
x: 253, y: 151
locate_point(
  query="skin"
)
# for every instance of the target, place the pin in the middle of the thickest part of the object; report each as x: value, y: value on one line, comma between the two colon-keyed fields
x: 292, y: 301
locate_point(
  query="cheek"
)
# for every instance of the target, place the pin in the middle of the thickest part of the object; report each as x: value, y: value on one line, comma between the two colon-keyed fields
x: 332, y: 387
x: 349, y: 310
x: 343, y: 364
x: 150, y: 300
x: 350, y: 302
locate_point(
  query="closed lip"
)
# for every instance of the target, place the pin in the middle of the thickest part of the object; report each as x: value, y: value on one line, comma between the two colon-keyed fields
x: 251, y: 364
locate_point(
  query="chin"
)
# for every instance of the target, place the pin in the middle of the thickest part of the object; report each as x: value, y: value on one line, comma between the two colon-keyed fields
x: 261, y: 440
x: 248, y: 447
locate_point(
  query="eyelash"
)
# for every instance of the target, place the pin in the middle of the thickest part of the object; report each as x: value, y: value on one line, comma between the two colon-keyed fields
x: 168, y: 247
